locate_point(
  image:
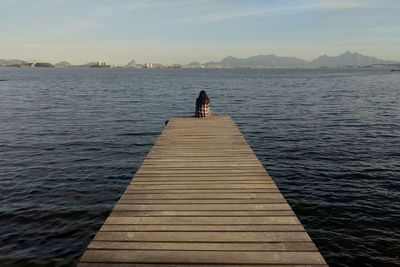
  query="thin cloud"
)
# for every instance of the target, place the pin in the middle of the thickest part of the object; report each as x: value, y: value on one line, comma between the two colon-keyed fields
x: 239, y: 13
x: 136, y: 5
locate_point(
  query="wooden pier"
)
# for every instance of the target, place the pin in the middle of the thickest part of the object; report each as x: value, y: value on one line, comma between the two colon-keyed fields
x: 202, y: 198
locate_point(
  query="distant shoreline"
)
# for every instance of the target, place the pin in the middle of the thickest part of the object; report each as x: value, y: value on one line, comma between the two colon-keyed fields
x: 344, y: 60
x: 391, y: 67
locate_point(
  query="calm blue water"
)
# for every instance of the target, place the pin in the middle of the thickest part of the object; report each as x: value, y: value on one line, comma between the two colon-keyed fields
x: 71, y: 139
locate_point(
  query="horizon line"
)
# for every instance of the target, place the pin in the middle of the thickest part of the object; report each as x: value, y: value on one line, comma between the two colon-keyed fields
x: 169, y: 64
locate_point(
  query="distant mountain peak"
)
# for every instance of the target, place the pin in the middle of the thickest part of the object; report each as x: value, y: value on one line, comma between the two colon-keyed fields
x: 194, y: 63
x: 131, y: 64
x: 271, y: 61
x: 347, y: 59
x: 63, y: 64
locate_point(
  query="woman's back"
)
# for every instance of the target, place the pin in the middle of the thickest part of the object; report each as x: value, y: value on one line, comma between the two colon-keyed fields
x: 203, y: 106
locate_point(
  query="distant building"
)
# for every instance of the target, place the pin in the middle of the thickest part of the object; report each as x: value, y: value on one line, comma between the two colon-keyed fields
x: 100, y: 64
x: 152, y: 66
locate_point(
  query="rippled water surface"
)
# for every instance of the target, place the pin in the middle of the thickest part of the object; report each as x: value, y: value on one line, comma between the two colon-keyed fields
x: 71, y: 139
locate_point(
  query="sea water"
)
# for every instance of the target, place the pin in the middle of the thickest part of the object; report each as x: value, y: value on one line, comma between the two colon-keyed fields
x: 72, y: 138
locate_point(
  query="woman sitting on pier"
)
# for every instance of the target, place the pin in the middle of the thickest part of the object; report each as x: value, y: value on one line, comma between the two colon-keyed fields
x: 203, y: 106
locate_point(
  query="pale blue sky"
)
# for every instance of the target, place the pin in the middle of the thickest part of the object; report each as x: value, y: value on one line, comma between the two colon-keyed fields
x: 169, y: 31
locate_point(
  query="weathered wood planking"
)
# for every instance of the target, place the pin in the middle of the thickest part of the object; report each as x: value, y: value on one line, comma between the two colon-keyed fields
x: 202, y: 198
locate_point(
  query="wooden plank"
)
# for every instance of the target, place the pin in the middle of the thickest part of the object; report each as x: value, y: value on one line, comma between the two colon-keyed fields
x: 202, y: 201
x: 194, y: 191
x: 164, y: 207
x: 202, y: 228
x: 202, y: 156
x: 200, y: 166
x: 98, y: 264
x: 175, y: 171
x: 203, y: 220
x: 200, y: 182
x: 139, y: 186
x: 202, y: 177
x: 240, y: 246
x: 201, y: 213
x: 192, y: 158
x: 203, y: 195
x: 202, y: 198
x: 203, y: 257
x: 204, y: 236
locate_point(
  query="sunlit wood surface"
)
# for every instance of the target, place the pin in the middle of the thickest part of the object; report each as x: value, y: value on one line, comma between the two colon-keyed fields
x: 202, y: 198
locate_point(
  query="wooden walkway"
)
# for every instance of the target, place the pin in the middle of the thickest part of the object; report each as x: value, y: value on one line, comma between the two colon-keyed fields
x: 202, y: 198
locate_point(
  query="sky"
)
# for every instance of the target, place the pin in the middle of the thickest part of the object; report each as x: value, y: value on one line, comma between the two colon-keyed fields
x: 182, y: 31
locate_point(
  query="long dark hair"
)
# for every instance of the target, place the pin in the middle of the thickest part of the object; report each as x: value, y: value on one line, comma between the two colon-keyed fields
x: 203, y: 98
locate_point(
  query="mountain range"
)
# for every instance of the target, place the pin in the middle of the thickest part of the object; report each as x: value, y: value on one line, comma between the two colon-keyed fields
x: 272, y: 61
x: 346, y: 59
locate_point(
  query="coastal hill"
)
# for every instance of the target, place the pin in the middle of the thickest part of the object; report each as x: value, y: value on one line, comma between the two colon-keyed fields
x: 22, y: 63
x: 11, y: 62
x: 131, y: 64
x: 63, y: 64
x: 194, y: 64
